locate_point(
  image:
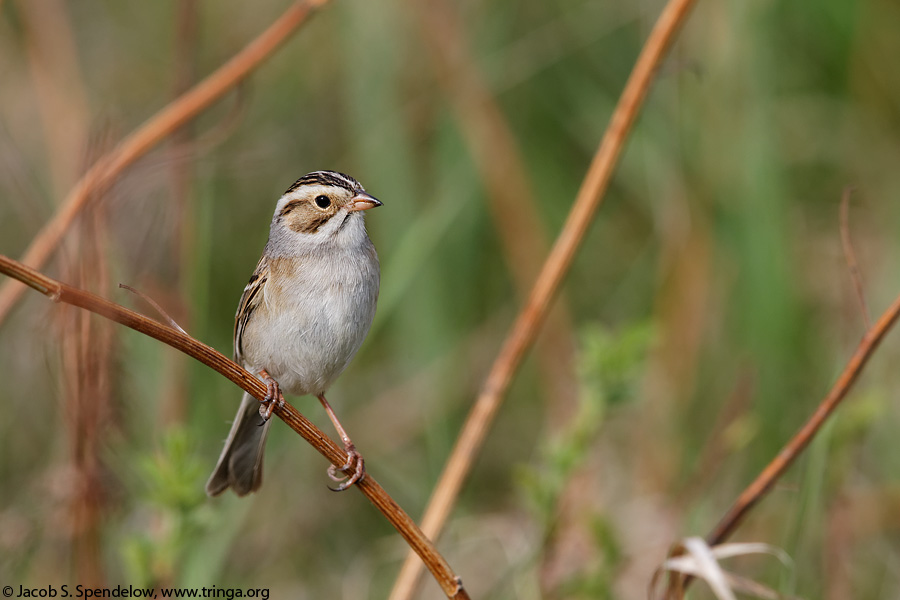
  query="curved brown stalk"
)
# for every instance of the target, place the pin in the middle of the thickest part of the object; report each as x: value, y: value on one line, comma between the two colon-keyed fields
x: 532, y: 316
x: 60, y: 292
x: 764, y: 482
x: 148, y: 135
x: 755, y: 492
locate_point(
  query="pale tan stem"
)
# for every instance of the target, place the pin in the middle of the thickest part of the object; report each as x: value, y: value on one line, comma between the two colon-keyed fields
x: 532, y: 316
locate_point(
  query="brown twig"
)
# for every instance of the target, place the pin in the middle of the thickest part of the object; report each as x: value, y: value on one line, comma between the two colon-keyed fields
x: 529, y: 320
x: 764, y: 482
x: 148, y: 135
x: 850, y: 256
x: 60, y: 292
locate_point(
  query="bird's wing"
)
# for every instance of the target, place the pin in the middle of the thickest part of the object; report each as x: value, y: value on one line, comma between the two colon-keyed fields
x: 250, y: 299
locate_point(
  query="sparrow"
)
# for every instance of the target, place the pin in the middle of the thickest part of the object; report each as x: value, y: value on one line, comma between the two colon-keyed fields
x: 302, y: 317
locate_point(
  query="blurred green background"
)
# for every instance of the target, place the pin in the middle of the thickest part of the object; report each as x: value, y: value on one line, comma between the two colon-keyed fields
x: 706, y: 315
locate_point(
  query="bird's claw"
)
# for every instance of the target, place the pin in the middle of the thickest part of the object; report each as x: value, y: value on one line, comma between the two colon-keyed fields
x: 353, y: 471
x: 273, y: 399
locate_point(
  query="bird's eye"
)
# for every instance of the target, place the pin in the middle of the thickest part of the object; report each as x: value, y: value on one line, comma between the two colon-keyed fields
x: 323, y: 201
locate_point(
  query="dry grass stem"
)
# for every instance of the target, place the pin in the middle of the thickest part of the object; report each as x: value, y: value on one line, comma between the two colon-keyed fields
x: 148, y: 135
x: 60, y: 292
x: 789, y: 453
x: 786, y: 457
x: 850, y: 256
x: 532, y: 316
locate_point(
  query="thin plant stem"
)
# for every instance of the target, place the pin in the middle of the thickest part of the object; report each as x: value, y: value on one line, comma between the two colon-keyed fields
x: 181, y: 110
x: 755, y: 492
x: 789, y: 453
x: 168, y: 319
x: 61, y: 292
x: 554, y: 269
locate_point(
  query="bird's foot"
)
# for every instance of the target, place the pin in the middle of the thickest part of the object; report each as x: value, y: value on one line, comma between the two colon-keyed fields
x: 274, y: 398
x: 353, y: 471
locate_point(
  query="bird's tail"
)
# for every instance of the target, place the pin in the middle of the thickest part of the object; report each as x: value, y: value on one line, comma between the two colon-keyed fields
x: 240, y: 465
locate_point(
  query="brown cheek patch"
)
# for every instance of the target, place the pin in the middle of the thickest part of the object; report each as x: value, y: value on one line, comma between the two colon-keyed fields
x: 308, y: 223
x: 289, y: 207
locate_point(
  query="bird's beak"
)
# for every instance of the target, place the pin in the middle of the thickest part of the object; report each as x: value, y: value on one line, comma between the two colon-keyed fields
x: 363, y: 201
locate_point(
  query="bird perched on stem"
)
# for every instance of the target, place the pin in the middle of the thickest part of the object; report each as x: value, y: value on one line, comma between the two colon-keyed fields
x: 302, y: 317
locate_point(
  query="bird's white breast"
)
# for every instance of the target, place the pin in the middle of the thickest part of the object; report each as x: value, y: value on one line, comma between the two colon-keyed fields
x: 315, y: 312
